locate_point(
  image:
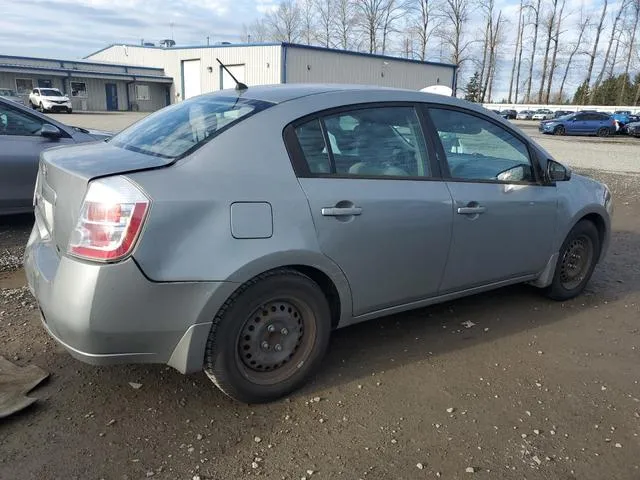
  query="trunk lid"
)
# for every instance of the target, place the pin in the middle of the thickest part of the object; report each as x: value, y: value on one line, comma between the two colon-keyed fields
x: 63, y: 177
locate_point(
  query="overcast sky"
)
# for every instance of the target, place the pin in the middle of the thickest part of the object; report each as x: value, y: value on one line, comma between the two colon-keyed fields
x: 72, y: 29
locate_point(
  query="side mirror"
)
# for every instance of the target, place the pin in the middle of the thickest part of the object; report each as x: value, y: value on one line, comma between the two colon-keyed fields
x: 50, y: 131
x: 557, y: 172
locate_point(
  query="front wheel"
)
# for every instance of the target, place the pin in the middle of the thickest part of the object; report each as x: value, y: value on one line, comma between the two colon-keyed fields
x: 41, y: 108
x: 269, y: 337
x: 578, y: 257
x: 560, y: 130
x: 603, y: 132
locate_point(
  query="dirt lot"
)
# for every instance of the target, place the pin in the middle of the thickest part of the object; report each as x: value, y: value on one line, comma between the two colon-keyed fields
x: 534, y: 390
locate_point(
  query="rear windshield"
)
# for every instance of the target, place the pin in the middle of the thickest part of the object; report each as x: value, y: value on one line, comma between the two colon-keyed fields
x: 50, y: 92
x: 180, y: 129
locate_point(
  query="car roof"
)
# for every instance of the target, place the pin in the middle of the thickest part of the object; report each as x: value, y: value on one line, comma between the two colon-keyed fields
x: 291, y: 91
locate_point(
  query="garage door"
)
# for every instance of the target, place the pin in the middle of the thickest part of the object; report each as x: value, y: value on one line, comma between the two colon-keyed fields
x: 191, y: 78
x: 237, y: 71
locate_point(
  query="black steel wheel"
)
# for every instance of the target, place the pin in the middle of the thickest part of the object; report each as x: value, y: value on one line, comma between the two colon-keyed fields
x: 269, y: 337
x: 577, y: 259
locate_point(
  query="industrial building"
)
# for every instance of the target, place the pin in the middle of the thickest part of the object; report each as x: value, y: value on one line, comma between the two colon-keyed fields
x: 90, y: 85
x: 195, y: 70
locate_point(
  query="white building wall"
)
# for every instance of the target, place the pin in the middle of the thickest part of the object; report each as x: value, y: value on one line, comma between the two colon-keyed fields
x: 263, y: 63
x: 304, y: 65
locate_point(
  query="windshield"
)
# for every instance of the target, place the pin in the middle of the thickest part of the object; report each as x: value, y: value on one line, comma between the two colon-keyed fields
x: 6, y: 92
x: 50, y: 92
x: 180, y: 129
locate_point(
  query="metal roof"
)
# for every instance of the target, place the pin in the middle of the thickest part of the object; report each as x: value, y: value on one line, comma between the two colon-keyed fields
x: 284, y: 45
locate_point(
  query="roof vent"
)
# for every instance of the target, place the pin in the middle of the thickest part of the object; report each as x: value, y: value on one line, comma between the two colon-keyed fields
x: 167, y: 43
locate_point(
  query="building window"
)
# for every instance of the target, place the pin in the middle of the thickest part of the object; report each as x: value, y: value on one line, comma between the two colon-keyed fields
x: 79, y: 89
x: 24, y: 86
x: 143, y: 92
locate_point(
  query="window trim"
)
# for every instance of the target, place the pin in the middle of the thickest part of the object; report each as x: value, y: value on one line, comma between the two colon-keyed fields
x: 301, y: 168
x: 18, y: 90
x: 86, y: 93
x: 442, y: 156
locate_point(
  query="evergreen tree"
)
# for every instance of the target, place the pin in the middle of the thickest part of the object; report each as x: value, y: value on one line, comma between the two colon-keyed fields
x: 581, y: 93
x: 473, y: 88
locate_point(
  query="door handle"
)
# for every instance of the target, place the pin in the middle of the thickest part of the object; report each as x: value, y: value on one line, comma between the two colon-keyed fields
x: 341, y: 211
x: 471, y: 210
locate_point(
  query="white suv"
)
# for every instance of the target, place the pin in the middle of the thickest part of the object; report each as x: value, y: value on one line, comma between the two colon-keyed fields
x: 49, y: 100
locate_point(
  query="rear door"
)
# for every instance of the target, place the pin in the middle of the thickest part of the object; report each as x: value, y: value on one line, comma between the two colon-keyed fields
x: 504, y: 220
x: 380, y: 210
x: 20, y: 147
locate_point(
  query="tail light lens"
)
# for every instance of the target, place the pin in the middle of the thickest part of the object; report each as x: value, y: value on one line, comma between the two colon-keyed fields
x: 110, y: 221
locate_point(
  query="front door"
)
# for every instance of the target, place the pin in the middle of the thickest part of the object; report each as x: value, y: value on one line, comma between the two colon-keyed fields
x: 19, y: 156
x: 379, y: 213
x: 111, y: 90
x: 504, y: 221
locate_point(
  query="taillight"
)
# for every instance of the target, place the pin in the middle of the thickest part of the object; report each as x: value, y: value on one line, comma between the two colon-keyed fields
x: 110, y: 222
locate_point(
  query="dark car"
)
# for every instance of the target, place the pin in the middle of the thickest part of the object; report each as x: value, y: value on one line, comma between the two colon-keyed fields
x: 633, y: 129
x: 509, y: 114
x: 561, y: 113
x: 25, y: 133
x: 580, y: 123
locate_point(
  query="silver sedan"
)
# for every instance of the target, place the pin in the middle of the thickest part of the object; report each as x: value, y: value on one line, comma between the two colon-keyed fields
x: 234, y: 231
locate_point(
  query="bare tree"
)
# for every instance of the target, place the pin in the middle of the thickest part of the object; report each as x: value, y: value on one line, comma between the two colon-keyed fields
x: 549, y: 26
x: 519, y: 67
x: 392, y: 11
x: 423, y: 24
x: 635, y: 12
x: 583, y: 24
x: 614, y: 30
x: 284, y: 22
x: 535, y: 8
x: 345, y: 22
x: 370, y: 17
x: 517, y: 50
x: 496, y: 32
x: 307, y: 14
x: 258, y: 31
x: 455, y: 16
x: 556, y: 41
x: 325, y: 21
x: 594, y: 51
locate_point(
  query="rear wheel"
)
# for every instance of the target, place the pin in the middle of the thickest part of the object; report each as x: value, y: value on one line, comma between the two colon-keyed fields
x: 269, y: 337
x: 578, y: 257
x: 559, y: 130
x: 603, y: 132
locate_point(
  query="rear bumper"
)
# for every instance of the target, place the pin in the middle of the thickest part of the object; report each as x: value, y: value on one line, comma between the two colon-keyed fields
x: 107, y: 314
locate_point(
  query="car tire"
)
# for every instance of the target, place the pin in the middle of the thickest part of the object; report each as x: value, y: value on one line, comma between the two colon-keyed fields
x: 33, y: 105
x: 603, y: 132
x: 41, y: 108
x: 69, y: 110
x: 269, y: 337
x: 559, y: 130
x: 577, y: 259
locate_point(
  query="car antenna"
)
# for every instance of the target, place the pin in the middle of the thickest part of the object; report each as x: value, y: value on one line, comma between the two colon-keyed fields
x: 239, y: 85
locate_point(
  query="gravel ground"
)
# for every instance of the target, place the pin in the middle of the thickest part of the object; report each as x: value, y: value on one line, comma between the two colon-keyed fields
x: 498, y: 386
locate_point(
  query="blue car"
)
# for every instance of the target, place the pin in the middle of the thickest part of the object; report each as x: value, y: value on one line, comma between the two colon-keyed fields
x: 581, y: 123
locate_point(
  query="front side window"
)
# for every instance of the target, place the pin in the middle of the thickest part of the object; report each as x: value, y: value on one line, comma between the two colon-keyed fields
x: 477, y: 149
x: 378, y: 142
x: 15, y: 122
x: 50, y: 92
x: 178, y: 130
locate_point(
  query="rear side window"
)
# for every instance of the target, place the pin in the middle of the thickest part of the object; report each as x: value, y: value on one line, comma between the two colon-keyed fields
x: 369, y: 142
x: 180, y: 129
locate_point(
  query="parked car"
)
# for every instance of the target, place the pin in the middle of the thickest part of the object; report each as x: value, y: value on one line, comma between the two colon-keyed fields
x: 509, y: 114
x: 9, y: 94
x: 542, y: 114
x: 260, y: 248
x: 50, y: 100
x: 560, y: 113
x: 23, y: 135
x: 580, y: 124
x: 633, y: 129
x: 524, y: 115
